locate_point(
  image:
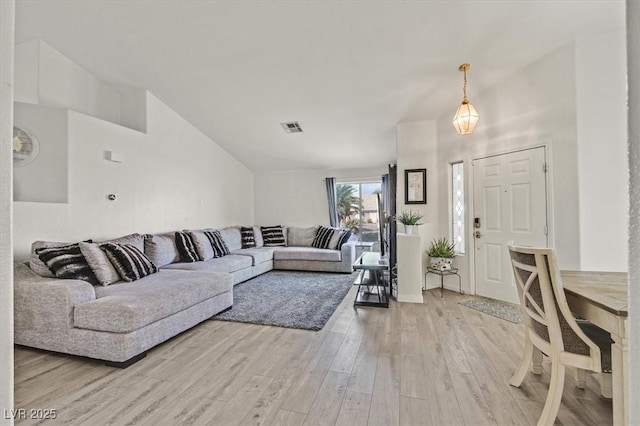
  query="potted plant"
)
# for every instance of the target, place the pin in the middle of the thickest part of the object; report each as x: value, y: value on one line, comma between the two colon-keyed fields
x: 410, y: 220
x: 441, y: 253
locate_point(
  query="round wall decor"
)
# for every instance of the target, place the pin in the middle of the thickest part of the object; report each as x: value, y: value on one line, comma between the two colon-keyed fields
x: 25, y: 146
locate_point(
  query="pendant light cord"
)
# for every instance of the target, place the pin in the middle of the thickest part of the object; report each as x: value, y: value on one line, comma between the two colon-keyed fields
x: 464, y: 87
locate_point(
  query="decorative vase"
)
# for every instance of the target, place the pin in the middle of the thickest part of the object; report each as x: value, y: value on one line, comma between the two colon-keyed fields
x: 411, y: 229
x: 441, y: 263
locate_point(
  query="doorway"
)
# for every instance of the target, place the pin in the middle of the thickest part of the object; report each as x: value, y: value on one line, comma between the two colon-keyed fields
x: 510, y: 204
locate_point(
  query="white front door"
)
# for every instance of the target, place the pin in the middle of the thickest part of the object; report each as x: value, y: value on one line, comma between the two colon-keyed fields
x: 510, y: 204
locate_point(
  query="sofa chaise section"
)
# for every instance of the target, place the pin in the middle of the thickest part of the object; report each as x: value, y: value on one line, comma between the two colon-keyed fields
x: 117, y: 323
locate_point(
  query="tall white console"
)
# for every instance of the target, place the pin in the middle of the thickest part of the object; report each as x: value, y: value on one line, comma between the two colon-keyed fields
x: 410, y: 276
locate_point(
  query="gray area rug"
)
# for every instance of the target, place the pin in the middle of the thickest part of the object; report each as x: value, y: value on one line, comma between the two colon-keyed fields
x: 288, y: 299
x: 505, y: 311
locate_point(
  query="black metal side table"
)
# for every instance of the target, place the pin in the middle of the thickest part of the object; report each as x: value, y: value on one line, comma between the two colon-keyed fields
x: 442, y: 274
x: 373, y: 286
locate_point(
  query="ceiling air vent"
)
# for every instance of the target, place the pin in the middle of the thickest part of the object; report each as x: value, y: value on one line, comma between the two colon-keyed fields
x: 292, y: 127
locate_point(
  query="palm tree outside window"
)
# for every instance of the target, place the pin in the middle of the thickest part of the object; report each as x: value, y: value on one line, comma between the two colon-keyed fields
x: 357, y: 207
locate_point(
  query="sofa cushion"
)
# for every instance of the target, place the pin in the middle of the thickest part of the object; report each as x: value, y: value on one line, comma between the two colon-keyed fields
x: 99, y: 263
x: 248, y: 240
x: 257, y: 235
x: 231, y: 237
x: 273, y: 236
x: 67, y: 262
x: 186, y: 248
x: 323, y: 237
x: 230, y: 263
x: 259, y: 255
x: 125, y: 307
x: 301, y: 237
x: 306, y: 253
x: 161, y: 248
x: 131, y: 263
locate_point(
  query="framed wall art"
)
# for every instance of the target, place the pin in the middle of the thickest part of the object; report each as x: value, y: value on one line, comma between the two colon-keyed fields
x: 415, y: 186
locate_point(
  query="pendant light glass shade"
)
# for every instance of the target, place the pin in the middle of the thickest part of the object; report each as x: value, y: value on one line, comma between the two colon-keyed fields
x: 466, y: 116
x: 465, y: 119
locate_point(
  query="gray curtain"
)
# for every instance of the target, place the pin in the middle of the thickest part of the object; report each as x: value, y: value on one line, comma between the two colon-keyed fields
x: 331, y: 197
x: 386, y: 195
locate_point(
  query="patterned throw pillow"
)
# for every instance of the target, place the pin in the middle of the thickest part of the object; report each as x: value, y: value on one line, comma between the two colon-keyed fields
x: 67, y: 262
x: 131, y: 263
x: 219, y: 247
x: 186, y: 248
x: 37, y: 265
x: 273, y: 236
x: 323, y: 237
x: 344, y: 237
x: 248, y: 240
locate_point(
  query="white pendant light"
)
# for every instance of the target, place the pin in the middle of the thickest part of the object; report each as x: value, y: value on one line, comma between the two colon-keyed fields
x: 466, y: 116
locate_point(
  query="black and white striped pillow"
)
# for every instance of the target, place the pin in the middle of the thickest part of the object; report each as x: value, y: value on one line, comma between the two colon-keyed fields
x: 67, y: 262
x: 273, y: 236
x: 344, y: 237
x: 186, y: 248
x: 323, y: 237
x: 219, y: 246
x: 130, y: 262
x: 248, y: 239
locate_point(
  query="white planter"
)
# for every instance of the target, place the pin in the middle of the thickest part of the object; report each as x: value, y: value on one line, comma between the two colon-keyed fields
x: 411, y: 229
x: 442, y: 263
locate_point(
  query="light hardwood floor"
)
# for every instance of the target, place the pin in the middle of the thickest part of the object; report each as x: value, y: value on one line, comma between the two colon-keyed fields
x: 438, y: 363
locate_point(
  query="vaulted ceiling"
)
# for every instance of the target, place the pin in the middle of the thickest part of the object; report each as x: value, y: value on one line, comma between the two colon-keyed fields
x: 347, y: 71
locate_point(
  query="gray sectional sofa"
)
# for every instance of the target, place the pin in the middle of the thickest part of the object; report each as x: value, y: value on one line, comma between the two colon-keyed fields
x: 119, y: 322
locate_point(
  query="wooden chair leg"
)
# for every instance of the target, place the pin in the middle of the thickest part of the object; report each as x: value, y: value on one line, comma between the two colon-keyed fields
x: 552, y: 404
x: 527, y: 355
x: 606, y: 385
x: 536, y: 368
x: 581, y: 379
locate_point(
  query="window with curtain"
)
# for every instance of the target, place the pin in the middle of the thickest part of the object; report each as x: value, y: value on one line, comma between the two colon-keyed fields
x: 357, y: 208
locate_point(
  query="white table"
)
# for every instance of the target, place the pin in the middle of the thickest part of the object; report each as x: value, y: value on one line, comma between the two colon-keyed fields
x: 601, y: 297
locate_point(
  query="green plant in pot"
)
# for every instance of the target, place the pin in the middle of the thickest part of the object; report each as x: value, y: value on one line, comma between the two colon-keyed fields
x: 410, y: 220
x: 441, y: 253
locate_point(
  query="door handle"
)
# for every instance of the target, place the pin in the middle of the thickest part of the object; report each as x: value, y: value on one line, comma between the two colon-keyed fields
x: 477, y: 234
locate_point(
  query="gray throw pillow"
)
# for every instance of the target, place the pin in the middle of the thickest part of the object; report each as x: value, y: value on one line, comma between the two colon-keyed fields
x: 301, y: 237
x: 161, y: 248
x: 99, y: 263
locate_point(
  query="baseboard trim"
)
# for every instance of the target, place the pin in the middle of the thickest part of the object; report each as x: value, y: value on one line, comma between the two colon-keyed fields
x: 410, y: 298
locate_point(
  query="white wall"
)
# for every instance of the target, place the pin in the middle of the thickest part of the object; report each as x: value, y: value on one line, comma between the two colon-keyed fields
x: 633, y: 72
x: 602, y: 151
x: 64, y: 84
x: 26, y: 63
x: 7, y: 21
x: 417, y: 148
x: 52, y: 79
x: 535, y: 106
x: 299, y: 198
x: 48, y: 78
x: 172, y: 178
x: 45, y: 178
x: 578, y: 114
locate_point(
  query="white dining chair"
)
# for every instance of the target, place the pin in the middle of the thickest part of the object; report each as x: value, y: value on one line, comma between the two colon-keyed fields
x: 551, y: 329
